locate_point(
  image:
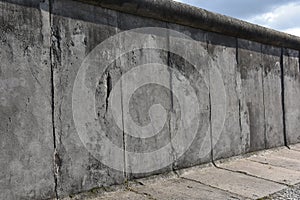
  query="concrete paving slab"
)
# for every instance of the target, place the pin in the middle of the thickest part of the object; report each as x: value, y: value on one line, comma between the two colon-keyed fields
x: 277, y: 161
x: 287, y: 153
x: 234, y: 182
x: 255, y: 178
x: 277, y: 174
x: 116, y: 195
x: 184, y: 189
x: 289, y: 193
x: 122, y: 195
x: 295, y: 147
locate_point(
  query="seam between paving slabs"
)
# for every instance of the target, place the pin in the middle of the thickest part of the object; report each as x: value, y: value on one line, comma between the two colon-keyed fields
x: 199, y: 182
x: 141, y: 193
x: 261, y: 162
x: 252, y: 175
x: 295, y: 150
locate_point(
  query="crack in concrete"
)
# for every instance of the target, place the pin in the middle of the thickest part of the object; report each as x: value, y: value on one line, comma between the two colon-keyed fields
x: 196, y: 181
x: 251, y: 175
x: 125, y: 173
x: 264, y: 163
x: 283, y: 99
x: 141, y: 193
x: 124, y: 135
x: 295, y: 150
x: 56, y: 159
x: 57, y: 165
x: 108, y: 88
x: 173, y: 168
x: 299, y: 60
x: 237, y: 86
x: 263, y: 74
x: 210, y: 121
x: 240, y: 116
x: 210, y: 113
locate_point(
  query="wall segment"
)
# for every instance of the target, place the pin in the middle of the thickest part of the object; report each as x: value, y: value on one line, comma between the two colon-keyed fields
x: 245, y: 73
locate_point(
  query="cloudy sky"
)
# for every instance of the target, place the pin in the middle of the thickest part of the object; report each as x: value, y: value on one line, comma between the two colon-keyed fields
x: 282, y: 15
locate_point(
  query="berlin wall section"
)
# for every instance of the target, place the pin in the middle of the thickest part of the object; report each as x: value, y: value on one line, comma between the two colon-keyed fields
x: 26, y: 145
x: 291, y: 74
x: 249, y: 73
x: 244, y: 91
x: 75, y: 33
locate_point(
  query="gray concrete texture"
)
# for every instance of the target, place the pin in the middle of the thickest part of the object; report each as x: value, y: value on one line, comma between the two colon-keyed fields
x: 291, y: 93
x: 186, y: 15
x: 234, y: 178
x: 26, y: 145
x: 42, y: 46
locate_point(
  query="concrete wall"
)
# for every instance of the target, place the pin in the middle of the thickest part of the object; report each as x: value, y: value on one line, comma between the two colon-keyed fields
x: 42, y: 46
x: 26, y: 102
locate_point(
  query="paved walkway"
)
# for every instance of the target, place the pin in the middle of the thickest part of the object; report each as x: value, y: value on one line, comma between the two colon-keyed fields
x: 273, y: 174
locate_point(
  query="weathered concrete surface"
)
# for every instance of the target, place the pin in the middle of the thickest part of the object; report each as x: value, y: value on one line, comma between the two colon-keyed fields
x: 238, y: 84
x: 74, y: 36
x: 272, y: 173
x: 261, y: 111
x: 123, y: 196
x: 278, y: 161
x: 252, y: 102
x: 138, y: 108
x: 118, y: 195
x: 295, y: 147
x: 26, y: 145
x: 227, y: 137
x: 237, y: 183
x: 184, y: 189
x: 186, y: 15
x: 292, y: 192
x: 291, y: 95
x: 272, y: 91
x: 286, y: 153
x: 247, y: 178
x: 194, y: 66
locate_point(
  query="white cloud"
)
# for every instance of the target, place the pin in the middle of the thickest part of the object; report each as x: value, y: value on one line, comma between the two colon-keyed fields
x: 293, y: 31
x: 284, y: 18
x: 241, y: 9
x: 283, y: 15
